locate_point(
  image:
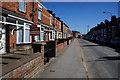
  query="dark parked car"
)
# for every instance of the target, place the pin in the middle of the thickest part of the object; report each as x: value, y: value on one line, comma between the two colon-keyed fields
x: 105, y: 40
x: 93, y: 38
x: 98, y: 39
x: 115, y: 41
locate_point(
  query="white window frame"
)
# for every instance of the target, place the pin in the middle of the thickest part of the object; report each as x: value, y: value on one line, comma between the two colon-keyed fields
x: 39, y: 10
x: 52, y: 35
x: 43, y: 34
x: 25, y: 28
x: 16, y: 24
x: 50, y: 19
x: 24, y: 6
x: 24, y: 38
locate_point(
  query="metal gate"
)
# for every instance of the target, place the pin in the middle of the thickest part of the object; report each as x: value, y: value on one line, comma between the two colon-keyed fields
x: 2, y: 39
x: 49, y: 50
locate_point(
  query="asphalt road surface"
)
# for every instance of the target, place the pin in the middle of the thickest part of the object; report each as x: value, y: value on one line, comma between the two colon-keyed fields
x: 101, y: 61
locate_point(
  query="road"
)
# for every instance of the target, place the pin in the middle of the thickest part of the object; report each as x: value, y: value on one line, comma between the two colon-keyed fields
x: 101, y: 61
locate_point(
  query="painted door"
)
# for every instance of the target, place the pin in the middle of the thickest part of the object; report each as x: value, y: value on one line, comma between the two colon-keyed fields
x: 2, y: 39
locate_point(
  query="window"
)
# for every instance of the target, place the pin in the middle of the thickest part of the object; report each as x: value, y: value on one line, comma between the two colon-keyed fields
x: 23, y: 34
x: 20, y: 34
x: 50, y: 19
x: 42, y: 36
x: 22, y: 5
x: 53, y: 35
x: 37, y: 38
x: 10, y: 20
x: 50, y: 35
x: 27, y: 33
x: 39, y: 12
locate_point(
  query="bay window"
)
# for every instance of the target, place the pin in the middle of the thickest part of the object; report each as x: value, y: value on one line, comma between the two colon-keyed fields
x: 23, y: 34
x: 27, y: 33
x: 37, y: 38
x: 20, y: 36
x: 42, y: 36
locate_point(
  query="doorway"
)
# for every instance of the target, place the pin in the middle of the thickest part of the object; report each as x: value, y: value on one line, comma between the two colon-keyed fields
x: 2, y: 39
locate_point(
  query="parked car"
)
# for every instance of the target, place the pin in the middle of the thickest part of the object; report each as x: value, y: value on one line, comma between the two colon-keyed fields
x: 98, y: 39
x: 87, y: 37
x: 93, y: 38
x: 115, y: 42
x: 105, y: 40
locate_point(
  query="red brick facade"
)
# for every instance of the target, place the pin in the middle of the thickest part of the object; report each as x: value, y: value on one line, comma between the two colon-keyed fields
x: 17, y: 36
x: 45, y: 17
x: 14, y: 7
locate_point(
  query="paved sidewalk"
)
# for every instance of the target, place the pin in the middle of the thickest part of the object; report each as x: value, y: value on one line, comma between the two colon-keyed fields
x: 67, y: 65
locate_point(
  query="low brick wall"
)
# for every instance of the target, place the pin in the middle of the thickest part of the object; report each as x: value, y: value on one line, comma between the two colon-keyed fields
x: 60, y: 47
x: 26, y: 70
x: 65, y: 43
x: 26, y: 67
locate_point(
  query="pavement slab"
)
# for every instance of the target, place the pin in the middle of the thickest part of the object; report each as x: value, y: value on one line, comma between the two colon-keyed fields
x: 68, y: 65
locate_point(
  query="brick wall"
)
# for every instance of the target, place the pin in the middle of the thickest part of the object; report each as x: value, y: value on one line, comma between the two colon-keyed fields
x: 10, y: 39
x: 45, y: 16
x: 60, y: 47
x: 28, y: 69
x: 14, y: 7
x: 35, y: 15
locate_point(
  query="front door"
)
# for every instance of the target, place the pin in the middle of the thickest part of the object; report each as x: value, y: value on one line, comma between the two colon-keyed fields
x: 2, y: 39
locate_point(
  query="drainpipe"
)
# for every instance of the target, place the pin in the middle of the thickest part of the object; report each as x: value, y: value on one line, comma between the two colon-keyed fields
x: 33, y: 17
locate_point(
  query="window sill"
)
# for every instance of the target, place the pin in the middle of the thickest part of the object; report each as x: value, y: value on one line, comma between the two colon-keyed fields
x: 22, y: 11
x: 24, y: 43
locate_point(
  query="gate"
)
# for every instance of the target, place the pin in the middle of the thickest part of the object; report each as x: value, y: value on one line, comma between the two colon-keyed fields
x: 49, y: 50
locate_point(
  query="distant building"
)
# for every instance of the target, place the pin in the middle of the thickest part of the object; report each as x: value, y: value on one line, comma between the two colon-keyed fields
x: 76, y: 34
x: 109, y: 29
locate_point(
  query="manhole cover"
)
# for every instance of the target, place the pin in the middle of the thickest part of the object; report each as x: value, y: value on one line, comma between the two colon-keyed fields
x: 52, y: 70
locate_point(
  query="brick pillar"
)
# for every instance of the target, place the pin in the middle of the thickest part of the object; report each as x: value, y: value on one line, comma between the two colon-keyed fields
x: 10, y: 38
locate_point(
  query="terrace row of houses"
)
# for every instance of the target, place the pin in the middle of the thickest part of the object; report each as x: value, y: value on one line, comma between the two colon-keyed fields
x: 22, y: 23
x: 30, y: 35
x: 108, y: 29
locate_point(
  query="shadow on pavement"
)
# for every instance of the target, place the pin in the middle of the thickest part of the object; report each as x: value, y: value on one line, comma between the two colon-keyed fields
x: 90, y: 45
x: 8, y: 57
x: 109, y: 58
